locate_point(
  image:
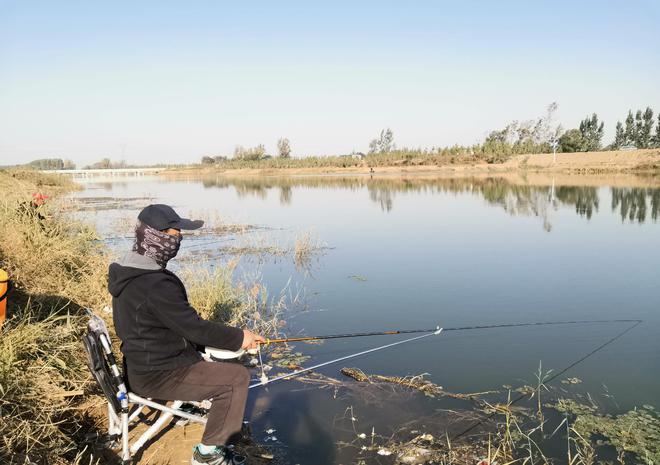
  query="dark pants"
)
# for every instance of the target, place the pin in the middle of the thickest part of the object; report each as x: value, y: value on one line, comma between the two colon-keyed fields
x: 225, y: 383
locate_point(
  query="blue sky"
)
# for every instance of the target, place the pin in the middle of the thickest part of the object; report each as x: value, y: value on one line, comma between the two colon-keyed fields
x: 172, y: 81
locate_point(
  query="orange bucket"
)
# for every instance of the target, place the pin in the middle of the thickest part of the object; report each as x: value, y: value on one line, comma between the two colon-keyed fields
x: 4, y: 289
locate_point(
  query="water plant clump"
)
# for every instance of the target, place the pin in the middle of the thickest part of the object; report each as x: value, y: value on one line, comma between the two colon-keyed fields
x: 635, y: 434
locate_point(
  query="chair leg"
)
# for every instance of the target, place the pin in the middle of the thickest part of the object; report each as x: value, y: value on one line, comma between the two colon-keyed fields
x: 153, y: 429
x: 136, y: 413
x: 126, y: 451
x: 114, y: 428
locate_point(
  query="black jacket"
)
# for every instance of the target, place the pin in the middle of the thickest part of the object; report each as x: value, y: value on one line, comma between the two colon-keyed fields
x: 158, y: 328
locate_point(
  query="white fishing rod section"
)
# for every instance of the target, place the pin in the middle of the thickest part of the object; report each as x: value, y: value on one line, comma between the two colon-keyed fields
x: 264, y: 379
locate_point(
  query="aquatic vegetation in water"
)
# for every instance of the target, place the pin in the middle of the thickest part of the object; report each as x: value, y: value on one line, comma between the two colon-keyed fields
x: 417, y: 382
x: 635, y: 432
x: 283, y: 356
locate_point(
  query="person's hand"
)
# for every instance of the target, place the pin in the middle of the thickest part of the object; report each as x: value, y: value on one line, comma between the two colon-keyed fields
x: 251, y: 340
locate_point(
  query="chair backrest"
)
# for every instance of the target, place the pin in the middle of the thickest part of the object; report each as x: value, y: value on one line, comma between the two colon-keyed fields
x: 101, y: 361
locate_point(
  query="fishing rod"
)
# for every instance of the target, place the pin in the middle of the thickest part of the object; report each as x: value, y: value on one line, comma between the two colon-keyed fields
x: 222, y: 354
x: 264, y: 379
x: 413, y: 331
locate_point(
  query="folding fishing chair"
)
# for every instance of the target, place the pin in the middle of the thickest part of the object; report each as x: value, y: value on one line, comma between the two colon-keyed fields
x: 103, y: 365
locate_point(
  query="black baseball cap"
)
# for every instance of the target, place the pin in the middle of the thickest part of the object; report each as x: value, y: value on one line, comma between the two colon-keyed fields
x: 160, y: 217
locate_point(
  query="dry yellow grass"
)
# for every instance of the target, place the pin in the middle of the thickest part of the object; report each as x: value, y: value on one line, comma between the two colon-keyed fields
x: 57, y: 269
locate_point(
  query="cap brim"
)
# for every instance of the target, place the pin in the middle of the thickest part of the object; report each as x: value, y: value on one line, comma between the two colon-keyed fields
x: 185, y: 223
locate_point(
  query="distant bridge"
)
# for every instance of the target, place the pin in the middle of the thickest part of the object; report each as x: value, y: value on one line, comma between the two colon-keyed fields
x: 91, y: 173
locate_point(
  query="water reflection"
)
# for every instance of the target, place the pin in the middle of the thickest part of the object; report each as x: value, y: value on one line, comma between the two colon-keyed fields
x: 631, y: 203
x: 285, y: 195
x: 517, y: 199
x: 382, y: 196
x: 585, y: 199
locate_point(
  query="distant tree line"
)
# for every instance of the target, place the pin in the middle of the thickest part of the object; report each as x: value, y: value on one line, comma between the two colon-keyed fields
x: 107, y: 164
x: 52, y: 164
x: 638, y: 131
x: 539, y: 135
x: 251, y: 153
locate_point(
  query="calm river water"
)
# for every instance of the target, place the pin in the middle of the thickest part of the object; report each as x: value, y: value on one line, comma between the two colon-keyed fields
x: 424, y: 252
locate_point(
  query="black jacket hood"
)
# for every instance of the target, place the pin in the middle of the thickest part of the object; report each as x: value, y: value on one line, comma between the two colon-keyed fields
x: 120, y: 276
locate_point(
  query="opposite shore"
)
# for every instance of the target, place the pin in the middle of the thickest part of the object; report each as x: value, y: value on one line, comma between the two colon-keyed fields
x: 634, y: 161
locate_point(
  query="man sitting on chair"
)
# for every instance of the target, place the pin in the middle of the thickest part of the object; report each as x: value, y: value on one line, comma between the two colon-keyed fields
x: 160, y: 332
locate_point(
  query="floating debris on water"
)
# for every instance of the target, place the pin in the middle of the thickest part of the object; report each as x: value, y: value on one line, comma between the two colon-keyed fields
x: 571, y: 381
x: 414, y: 382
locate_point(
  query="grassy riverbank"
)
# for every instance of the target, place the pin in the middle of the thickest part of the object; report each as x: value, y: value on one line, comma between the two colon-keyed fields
x: 636, y: 161
x: 58, y: 266
x: 57, y: 270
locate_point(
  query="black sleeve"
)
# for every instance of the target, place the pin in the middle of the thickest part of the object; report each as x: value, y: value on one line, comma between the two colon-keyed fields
x: 168, y: 303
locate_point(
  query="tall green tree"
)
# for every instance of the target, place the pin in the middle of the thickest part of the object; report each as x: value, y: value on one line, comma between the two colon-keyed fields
x: 572, y: 141
x: 592, y: 132
x: 639, y: 127
x: 645, y: 129
x: 619, y: 136
x: 630, y: 132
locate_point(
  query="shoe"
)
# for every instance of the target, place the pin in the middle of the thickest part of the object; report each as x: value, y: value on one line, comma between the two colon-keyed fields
x: 220, y: 456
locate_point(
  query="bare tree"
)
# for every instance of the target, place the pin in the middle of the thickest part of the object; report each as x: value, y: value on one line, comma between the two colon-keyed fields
x: 254, y: 153
x: 384, y: 144
x: 284, y: 147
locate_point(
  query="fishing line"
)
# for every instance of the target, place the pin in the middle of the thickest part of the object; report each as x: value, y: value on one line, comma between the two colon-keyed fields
x: 556, y: 375
x: 265, y: 379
